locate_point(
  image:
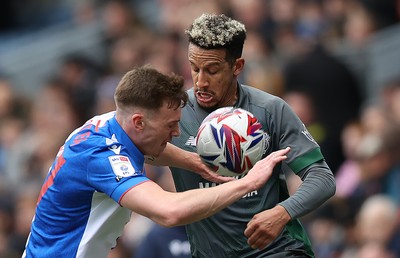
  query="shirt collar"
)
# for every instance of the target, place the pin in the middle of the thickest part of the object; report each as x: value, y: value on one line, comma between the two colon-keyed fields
x: 126, y: 142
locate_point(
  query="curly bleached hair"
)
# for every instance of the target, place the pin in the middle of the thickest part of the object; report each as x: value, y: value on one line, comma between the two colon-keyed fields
x: 213, y: 31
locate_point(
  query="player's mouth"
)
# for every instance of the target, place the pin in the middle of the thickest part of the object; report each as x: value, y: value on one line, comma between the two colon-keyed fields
x: 204, y: 97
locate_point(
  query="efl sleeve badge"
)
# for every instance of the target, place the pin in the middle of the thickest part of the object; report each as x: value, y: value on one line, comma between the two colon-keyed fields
x: 122, y: 166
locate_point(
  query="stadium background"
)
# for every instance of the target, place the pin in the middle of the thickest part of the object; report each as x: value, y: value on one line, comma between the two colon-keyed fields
x: 336, y: 62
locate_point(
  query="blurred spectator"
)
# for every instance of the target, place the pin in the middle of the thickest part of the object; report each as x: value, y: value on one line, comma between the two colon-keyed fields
x: 327, y: 229
x: 12, y: 119
x: 6, y: 97
x: 374, y: 250
x: 25, y: 205
x: 310, y: 23
x: 80, y: 74
x: 378, y: 155
x: 105, y: 94
x: 283, y: 11
x: 348, y: 174
x: 167, y: 54
x: 334, y: 92
x: 6, y: 225
x: 390, y: 97
x: 376, y: 229
x: 119, y: 19
x: 263, y: 69
x: 334, y: 12
x: 53, y: 116
x: 177, y: 15
x: 359, y: 25
x: 163, y: 242
x: 256, y: 14
x: 304, y: 107
x: 126, y: 38
x: 127, y: 52
x: 362, y: 20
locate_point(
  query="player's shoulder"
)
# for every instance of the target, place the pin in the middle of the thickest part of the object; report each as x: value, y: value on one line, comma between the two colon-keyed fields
x: 252, y: 96
x: 259, y: 95
x: 95, y: 133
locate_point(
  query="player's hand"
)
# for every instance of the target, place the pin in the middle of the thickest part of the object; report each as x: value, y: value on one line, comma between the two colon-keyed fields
x: 207, y: 172
x: 259, y: 174
x: 265, y: 226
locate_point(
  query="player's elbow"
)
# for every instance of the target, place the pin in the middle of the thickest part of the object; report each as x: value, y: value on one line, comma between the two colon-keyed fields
x: 171, y: 217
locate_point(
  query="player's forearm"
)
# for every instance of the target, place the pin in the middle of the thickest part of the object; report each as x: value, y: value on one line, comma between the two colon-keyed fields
x: 171, y: 209
x: 190, y: 206
x: 317, y: 187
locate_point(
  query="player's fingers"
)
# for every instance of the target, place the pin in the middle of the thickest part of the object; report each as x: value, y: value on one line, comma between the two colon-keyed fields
x: 271, y: 161
x: 249, y: 230
x: 281, y: 152
x: 260, y: 244
x: 220, y: 179
x: 279, y: 155
x: 257, y: 240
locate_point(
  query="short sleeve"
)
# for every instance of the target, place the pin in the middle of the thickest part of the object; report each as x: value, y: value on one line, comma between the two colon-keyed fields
x: 114, y: 175
x: 293, y: 133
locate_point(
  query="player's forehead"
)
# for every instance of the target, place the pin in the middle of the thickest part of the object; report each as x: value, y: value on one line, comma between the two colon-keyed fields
x: 166, y: 113
x: 206, y: 57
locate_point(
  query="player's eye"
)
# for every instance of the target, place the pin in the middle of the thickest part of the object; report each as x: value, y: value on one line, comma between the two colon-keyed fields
x: 212, y: 71
x: 194, y: 68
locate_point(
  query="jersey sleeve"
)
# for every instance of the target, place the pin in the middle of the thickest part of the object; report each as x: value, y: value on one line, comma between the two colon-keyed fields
x: 294, y: 134
x: 114, y: 174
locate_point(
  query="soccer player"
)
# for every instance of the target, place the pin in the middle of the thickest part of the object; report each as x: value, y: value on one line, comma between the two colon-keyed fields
x: 98, y: 176
x: 264, y: 223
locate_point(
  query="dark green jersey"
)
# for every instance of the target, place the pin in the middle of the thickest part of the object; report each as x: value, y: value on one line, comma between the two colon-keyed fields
x: 222, y: 235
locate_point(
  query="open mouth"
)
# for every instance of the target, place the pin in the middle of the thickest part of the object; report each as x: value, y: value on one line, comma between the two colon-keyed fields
x: 204, y: 97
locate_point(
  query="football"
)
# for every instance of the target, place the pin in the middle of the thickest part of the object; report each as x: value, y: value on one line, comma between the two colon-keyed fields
x: 231, y: 140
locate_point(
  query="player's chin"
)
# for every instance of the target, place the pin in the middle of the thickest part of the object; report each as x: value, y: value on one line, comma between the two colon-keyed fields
x: 160, y: 149
x: 211, y: 105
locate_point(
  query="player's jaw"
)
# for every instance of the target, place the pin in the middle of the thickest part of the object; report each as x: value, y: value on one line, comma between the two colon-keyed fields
x: 158, y: 149
x: 205, y: 98
x: 211, y: 100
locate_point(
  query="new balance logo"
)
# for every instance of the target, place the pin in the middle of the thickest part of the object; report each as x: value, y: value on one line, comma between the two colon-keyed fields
x: 191, y: 141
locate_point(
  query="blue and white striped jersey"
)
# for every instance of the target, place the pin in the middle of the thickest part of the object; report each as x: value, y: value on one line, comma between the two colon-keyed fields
x: 78, y: 212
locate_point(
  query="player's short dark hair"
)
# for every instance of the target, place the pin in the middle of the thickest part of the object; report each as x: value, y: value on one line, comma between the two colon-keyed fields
x: 213, y: 31
x: 148, y: 88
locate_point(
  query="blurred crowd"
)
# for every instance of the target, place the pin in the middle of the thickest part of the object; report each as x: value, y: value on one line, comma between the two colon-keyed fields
x: 300, y: 50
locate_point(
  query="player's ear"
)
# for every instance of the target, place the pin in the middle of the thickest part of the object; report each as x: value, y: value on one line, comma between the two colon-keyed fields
x: 238, y: 66
x: 138, y: 121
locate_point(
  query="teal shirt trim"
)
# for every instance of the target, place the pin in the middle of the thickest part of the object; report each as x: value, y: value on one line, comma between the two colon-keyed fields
x: 304, y: 161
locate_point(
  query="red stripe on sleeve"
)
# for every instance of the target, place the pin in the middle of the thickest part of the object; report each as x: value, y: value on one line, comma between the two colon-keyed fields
x: 50, y: 180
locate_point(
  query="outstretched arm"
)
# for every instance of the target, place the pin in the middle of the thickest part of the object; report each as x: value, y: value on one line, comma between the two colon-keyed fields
x: 171, y: 209
x: 174, y: 156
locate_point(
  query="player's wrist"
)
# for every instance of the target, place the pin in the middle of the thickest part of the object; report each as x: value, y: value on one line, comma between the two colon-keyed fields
x: 250, y: 182
x: 284, y: 213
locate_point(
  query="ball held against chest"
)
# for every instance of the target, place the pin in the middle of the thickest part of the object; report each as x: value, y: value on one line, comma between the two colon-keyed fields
x: 231, y: 141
